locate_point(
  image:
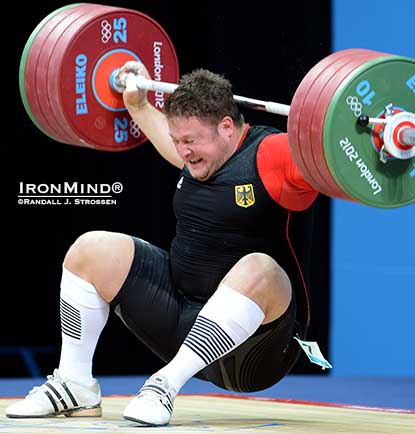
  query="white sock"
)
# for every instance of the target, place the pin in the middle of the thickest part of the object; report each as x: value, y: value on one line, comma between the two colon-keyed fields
x: 83, y: 316
x: 226, y: 320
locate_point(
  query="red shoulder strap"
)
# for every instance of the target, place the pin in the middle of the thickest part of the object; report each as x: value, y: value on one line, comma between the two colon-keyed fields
x: 280, y: 175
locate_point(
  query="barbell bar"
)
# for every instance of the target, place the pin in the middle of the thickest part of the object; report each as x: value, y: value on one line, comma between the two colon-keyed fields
x: 405, y: 135
x: 158, y: 86
x: 65, y: 84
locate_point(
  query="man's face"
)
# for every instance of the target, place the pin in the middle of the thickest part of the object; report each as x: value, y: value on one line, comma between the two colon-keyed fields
x: 204, y: 148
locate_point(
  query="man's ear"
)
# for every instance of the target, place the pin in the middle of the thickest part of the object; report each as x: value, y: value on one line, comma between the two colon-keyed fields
x: 226, y: 127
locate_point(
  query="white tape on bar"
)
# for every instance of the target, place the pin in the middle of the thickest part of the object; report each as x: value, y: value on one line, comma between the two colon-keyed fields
x: 256, y: 104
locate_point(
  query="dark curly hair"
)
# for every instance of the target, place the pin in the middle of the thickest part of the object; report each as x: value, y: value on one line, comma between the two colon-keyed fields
x: 205, y: 95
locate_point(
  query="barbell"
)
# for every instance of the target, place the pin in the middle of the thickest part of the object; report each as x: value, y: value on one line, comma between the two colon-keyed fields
x: 350, y: 126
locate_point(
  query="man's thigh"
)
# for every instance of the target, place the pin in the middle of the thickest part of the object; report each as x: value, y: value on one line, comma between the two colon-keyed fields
x: 149, y: 304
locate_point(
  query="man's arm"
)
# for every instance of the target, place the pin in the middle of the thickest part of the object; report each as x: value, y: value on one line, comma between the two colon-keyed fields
x: 154, y: 125
x: 150, y: 120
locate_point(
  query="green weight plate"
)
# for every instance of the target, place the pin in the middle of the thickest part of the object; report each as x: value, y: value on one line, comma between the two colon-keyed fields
x: 352, y: 158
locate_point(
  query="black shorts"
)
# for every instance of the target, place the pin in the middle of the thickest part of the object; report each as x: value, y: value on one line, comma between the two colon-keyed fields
x: 161, y: 317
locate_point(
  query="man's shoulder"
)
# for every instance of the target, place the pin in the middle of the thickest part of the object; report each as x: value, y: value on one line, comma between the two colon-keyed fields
x: 257, y: 133
x: 264, y: 129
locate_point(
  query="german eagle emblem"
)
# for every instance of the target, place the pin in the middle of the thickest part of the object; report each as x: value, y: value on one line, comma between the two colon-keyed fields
x: 244, y: 195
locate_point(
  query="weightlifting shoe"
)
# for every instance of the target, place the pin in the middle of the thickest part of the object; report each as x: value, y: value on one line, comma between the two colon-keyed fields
x: 153, y: 405
x: 58, y: 396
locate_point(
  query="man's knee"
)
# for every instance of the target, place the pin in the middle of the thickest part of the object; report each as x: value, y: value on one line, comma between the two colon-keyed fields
x: 86, y: 248
x: 261, y: 278
x: 101, y: 258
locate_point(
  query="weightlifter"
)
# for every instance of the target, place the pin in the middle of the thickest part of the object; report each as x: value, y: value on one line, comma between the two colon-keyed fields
x: 226, y: 301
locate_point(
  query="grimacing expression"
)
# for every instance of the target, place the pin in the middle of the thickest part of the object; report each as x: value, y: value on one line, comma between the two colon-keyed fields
x: 203, y: 147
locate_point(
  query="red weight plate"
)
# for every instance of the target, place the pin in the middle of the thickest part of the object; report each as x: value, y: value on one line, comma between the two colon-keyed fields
x: 80, y: 71
x: 295, y: 108
x: 299, y: 150
x: 322, y: 100
x: 38, y: 103
x: 45, y: 65
x: 327, y: 86
x: 311, y: 107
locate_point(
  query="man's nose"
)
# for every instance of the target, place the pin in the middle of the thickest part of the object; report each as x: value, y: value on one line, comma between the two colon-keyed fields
x: 184, y: 150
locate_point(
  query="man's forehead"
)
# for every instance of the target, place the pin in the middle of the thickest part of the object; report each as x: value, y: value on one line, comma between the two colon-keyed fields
x: 187, y: 126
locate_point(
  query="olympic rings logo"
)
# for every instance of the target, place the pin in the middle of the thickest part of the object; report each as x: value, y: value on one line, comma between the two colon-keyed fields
x: 355, y: 105
x: 105, y: 31
x: 134, y: 130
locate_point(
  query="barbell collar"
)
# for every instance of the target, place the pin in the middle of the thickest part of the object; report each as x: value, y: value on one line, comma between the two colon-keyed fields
x: 406, y: 136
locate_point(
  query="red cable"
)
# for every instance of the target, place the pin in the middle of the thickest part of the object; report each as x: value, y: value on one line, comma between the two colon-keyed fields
x: 299, y: 268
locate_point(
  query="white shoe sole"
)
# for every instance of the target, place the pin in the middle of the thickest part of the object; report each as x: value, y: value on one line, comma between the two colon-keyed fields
x: 94, y: 411
x: 142, y: 422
